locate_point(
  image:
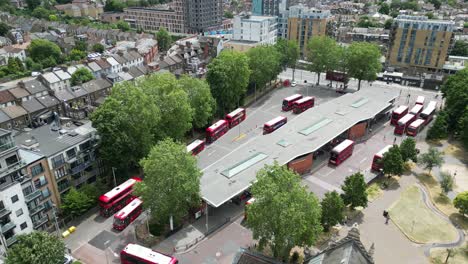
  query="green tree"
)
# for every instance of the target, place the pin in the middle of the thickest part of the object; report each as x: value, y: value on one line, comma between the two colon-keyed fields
x: 408, y: 150
x: 36, y: 247
x: 81, y: 45
x: 98, y: 47
x: 461, y: 202
x: 76, y: 203
x: 366, y: 22
x: 44, y: 52
x: 283, y: 217
x: 13, y: 66
x: 4, y: 28
x: 40, y: 12
x: 384, y: 9
x: 433, y: 158
x: 53, y: 18
x: 455, y: 92
x: 20, y: 64
x: 201, y: 100
x: 164, y: 39
x: 464, y: 128
x: 446, y: 182
x: 439, y: 128
x: 436, y: 3
x: 172, y: 181
x: 354, y: 190
x: 114, y: 6
x: 176, y: 112
x: 228, y: 77
x: 393, y: 161
x: 122, y: 25
x: 289, y: 53
x: 460, y: 48
x: 76, y: 55
x: 323, y: 55
x: 363, y: 61
x: 32, y: 4
x: 430, y: 15
x: 264, y: 63
x: 332, y: 210
x: 388, y: 23
x: 126, y: 122
x: 228, y: 14
x: 80, y: 76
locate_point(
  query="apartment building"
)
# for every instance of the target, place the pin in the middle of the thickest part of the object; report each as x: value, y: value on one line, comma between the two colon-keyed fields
x: 251, y: 31
x: 171, y: 17
x: 269, y: 7
x: 202, y: 16
x: 419, y: 44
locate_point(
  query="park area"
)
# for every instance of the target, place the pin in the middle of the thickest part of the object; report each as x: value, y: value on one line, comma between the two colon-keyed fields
x: 417, y: 222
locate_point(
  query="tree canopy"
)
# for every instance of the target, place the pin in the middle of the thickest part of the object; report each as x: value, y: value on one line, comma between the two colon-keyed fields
x: 393, y: 161
x: 264, y: 63
x: 81, y: 75
x: 4, y: 28
x: 36, y: 247
x: 44, y: 52
x: 332, y: 210
x: 289, y: 52
x: 455, y: 92
x: 363, y: 61
x: 354, y: 190
x: 439, y: 128
x: 114, y: 6
x: 228, y: 77
x: 98, y: 47
x: 323, y: 54
x: 122, y: 25
x: 408, y: 150
x: 282, y: 217
x: 172, y: 181
x: 76, y: 203
x: 164, y: 39
x: 461, y: 202
x: 432, y: 158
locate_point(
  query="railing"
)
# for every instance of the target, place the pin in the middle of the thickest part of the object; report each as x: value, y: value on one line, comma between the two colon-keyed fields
x: 57, y: 164
x: 8, y: 226
x: 12, y: 167
x: 10, y: 241
x: 40, y: 222
x: 32, y: 195
x: 7, y: 146
x: 39, y: 184
x: 4, y: 212
x: 63, y: 187
x: 80, y: 167
x: 36, y: 210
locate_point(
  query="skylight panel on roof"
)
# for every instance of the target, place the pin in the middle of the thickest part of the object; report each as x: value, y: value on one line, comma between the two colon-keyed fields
x: 315, y: 126
x: 283, y: 143
x: 360, y: 102
x: 243, y: 165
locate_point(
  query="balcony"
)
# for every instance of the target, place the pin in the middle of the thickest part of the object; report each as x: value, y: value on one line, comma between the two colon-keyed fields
x: 4, y: 212
x: 12, y: 167
x: 36, y: 210
x: 7, y: 146
x: 64, y: 187
x: 10, y: 241
x: 38, y: 184
x: 33, y: 195
x: 40, y: 222
x: 8, y: 226
x: 81, y: 167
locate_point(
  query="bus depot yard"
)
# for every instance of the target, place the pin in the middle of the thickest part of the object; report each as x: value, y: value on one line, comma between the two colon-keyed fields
x: 304, y: 143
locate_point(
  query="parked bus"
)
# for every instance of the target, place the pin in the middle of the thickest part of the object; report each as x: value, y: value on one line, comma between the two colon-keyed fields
x: 136, y: 254
x: 196, y: 147
x: 337, y: 76
x: 341, y: 152
x: 398, y: 113
x: 216, y: 130
x: 303, y: 104
x: 428, y: 113
x: 420, y: 100
x: 250, y: 201
x: 403, y: 123
x: 129, y: 213
x: 235, y: 117
x: 274, y: 124
x: 117, y: 198
x: 376, y: 162
x: 416, y: 110
x: 288, y: 102
x: 414, y: 128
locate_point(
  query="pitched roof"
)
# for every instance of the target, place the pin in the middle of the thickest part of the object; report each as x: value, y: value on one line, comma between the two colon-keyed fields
x: 19, y: 92
x: 245, y: 256
x: 63, y: 75
x: 94, y: 66
x: 14, y: 111
x: 48, y: 101
x: 33, y: 86
x: 118, y: 58
x: 32, y: 105
x: 96, y: 85
x: 6, y: 96
x: 64, y: 95
x: 103, y: 64
x: 4, y: 117
x: 50, y: 77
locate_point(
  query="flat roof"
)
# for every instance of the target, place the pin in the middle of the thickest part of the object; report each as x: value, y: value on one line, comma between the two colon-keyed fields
x: 241, y: 165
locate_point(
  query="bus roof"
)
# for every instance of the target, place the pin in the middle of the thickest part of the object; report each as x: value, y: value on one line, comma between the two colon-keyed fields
x: 235, y: 112
x: 416, y: 109
x: 250, y: 201
x: 342, y: 146
x: 124, y: 212
x: 194, y: 144
x: 114, y: 192
x: 303, y: 100
x: 430, y: 108
x: 293, y: 97
x: 216, y: 125
x: 383, y: 151
x: 400, y: 109
x: 275, y: 120
x: 420, y: 100
x: 147, y: 254
x: 417, y: 123
x: 405, y: 119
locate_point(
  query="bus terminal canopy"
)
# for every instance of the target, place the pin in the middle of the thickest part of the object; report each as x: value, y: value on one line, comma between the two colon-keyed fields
x: 235, y: 172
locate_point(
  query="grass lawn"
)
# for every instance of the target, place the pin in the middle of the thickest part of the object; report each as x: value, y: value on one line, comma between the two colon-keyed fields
x: 459, y: 255
x: 373, y: 192
x: 417, y: 222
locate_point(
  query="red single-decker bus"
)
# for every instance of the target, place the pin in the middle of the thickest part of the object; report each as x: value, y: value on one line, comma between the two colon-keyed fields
x: 288, y: 102
x: 377, y: 161
x: 274, y: 124
x: 196, y: 147
x: 303, y: 104
x: 398, y: 113
x: 428, y: 113
x: 416, y: 110
x: 403, y: 123
x: 216, y: 130
x: 414, y: 128
x: 341, y: 152
x: 420, y: 100
x: 117, y: 198
x: 136, y: 254
x: 129, y: 213
x: 235, y: 117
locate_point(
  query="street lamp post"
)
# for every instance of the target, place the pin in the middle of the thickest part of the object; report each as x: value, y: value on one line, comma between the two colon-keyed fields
x: 57, y: 227
x: 113, y: 173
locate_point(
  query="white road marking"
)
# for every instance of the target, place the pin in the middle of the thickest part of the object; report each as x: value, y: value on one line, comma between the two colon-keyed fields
x: 323, y: 184
x: 211, y: 153
x: 364, y: 159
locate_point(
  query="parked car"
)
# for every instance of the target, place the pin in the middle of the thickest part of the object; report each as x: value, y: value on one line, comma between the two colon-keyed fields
x: 293, y: 84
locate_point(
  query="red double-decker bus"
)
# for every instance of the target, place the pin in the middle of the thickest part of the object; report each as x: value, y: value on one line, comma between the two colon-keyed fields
x: 403, y: 123
x: 303, y: 104
x: 420, y: 100
x: 247, y: 203
x: 428, y: 113
x: 341, y: 152
x: 129, y: 213
x: 376, y: 161
x: 235, y: 117
x: 398, y: 113
x: 117, y: 198
x: 289, y: 101
x: 414, y: 128
x: 274, y: 124
x: 216, y: 130
x: 196, y: 147
x: 416, y: 110
x: 136, y: 254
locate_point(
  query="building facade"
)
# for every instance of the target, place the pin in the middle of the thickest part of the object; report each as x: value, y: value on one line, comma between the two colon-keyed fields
x: 202, y: 16
x: 259, y: 29
x: 171, y: 18
x: 418, y: 43
x: 268, y: 7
